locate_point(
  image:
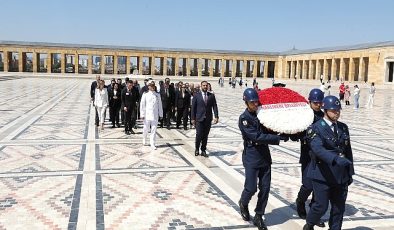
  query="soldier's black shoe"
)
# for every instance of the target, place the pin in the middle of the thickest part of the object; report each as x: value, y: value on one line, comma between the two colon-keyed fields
x: 301, y: 209
x: 204, y: 154
x: 132, y: 132
x: 244, y: 211
x: 259, y: 222
x: 321, y: 224
x: 308, y: 227
x: 196, y: 153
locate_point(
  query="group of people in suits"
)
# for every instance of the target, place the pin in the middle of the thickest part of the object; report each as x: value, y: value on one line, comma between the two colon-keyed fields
x: 157, y: 105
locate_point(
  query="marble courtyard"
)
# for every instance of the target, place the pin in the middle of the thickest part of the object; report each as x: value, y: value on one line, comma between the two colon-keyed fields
x: 59, y: 172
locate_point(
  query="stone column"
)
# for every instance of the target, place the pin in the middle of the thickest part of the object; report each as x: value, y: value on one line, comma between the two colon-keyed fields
x: 176, y: 65
x: 35, y: 63
x: 199, y: 66
x: 342, y: 69
x: 333, y: 69
x: 62, y: 62
x: 115, y: 64
x: 298, y: 72
x: 265, y: 70
x: 317, y: 73
x: 102, y: 64
x: 213, y: 63
x: 187, y: 66
x: 90, y: 60
x: 222, y: 67
x: 310, y: 69
x: 76, y: 62
x: 361, y: 69
x: 304, y: 70
x: 127, y: 64
x: 20, y: 61
x: 49, y: 62
x: 140, y: 67
x: 254, y: 68
x: 325, y: 70
x: 291, y: 69
x: 152, y: 65
x: 351, y: 69
x: 244, y: 68
x: 6, y: 60
x: 234, y: 68
x: 164, y: 66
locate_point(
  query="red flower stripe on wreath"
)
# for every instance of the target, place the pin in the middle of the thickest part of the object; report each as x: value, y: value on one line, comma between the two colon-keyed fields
x: 277, y: 95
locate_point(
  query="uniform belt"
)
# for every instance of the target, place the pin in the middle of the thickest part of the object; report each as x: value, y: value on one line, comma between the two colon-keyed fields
x: 253, y: 143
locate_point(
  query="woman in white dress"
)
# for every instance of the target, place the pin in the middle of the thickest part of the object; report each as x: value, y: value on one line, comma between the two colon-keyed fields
x: 101, y: 102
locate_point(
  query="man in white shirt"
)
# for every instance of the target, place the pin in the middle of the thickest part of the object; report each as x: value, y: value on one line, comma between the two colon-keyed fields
x: 151, y: 110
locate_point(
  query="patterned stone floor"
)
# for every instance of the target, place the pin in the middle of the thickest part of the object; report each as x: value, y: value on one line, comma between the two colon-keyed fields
x: 59, y: 172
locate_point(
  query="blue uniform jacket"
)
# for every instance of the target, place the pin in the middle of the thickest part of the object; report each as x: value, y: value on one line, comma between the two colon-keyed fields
x: 305, y: 155
x: 256, y: 140
x: 325, y: 146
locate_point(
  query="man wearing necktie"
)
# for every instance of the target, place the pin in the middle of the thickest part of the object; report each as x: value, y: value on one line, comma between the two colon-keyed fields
x: 331, y: 167
x: 201, y: 115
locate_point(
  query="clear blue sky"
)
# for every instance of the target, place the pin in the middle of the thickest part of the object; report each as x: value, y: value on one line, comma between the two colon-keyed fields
x: 258, y: 25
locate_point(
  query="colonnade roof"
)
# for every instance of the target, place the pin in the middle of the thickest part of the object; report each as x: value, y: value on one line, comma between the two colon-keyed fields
x: 339, y: 48
x: 208, y: 51
x: 133, y: 48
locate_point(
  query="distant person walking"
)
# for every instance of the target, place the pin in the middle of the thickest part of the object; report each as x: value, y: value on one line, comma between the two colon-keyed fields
x: 371, y: 96
x: 101, y: 102
x: 347, y: 95
x: 356, y: 94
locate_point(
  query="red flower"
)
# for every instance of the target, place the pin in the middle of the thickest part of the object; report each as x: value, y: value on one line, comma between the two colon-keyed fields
x: 278, y: 95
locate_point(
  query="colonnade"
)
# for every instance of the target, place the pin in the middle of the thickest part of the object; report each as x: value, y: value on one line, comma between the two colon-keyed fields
x: 343, y: 69
x: 167, y: 64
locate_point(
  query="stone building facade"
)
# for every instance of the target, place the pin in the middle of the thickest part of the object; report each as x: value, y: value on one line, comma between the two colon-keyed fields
x: 373, y: 62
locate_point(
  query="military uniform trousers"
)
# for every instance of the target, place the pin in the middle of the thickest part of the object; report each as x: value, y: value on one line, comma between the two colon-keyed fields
x: 262, y: 176
x: 325, y: 193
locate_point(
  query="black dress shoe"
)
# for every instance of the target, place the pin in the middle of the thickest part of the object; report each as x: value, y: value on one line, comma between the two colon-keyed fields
x: 118, y: 125
x: 204, y: 154
x: 132, y: 132
x: 196, y: 153
x: 244, y: 211
x: 185, y: 128
x: 168, y: 127
x: 301, y: 209
x: 259, y: 222
x: 113, y: 126
x: 321, y: 224
x: 308, y: 227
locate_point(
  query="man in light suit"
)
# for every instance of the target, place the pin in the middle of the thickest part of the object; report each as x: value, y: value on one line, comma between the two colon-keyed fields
x: 201, y: 116
x: 151, y: 111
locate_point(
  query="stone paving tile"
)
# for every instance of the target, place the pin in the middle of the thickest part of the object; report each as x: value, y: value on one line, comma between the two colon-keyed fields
x: 53, y: 132
x: 168, y: 200
x: 155, y: 196
x: 38, y: 158
x: 137, y: 156
x: 36, y: 202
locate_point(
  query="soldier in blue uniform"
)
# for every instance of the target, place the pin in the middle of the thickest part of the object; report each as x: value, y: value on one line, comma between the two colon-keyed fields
x: 315, y: 101
x: 331, y: 167
x: 256, y: 158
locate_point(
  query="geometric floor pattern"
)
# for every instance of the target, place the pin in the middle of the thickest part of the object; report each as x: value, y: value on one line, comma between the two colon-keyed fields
x: 59, y: 172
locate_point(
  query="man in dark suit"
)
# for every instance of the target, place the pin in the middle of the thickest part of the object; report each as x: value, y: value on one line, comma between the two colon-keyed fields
x: 202, y: 106
x: 182, y: 105
x: 167, y: 102
x: 129, y: 100
x: 93, y: 87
